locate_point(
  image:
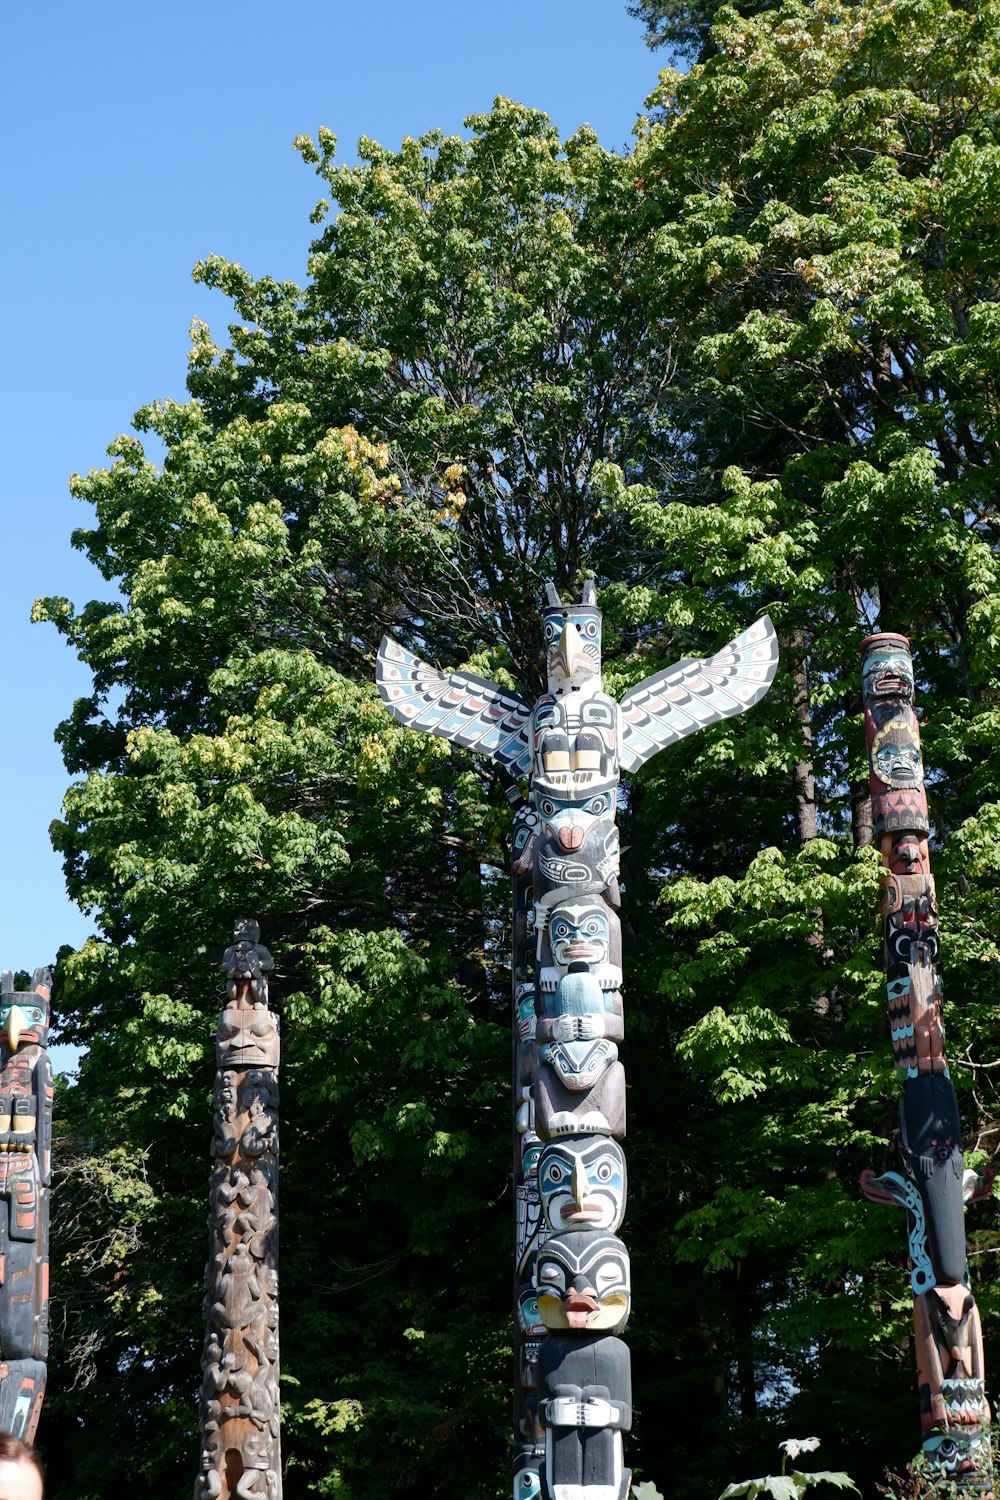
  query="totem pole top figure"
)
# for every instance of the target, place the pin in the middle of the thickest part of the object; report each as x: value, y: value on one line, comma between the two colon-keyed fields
x: 887, y: 669
x: 24, y: 1015
x: 572, y: 635
x: 577, y: 738
x: 896, y: 772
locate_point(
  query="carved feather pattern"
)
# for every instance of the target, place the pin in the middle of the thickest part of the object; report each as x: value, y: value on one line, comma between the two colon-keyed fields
x: 694, y: 694
x: 467, y: 710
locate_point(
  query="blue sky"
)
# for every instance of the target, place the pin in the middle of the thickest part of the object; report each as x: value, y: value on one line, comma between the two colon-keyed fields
x: 138, y: 139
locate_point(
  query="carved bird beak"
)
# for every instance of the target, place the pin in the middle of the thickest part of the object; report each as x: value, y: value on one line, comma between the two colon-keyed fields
x: 569, y: 645
x: 15, y: 1025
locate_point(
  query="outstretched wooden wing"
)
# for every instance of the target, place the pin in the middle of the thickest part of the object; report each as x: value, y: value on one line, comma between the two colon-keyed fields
x: 694, y: 694
x: 459, y: 707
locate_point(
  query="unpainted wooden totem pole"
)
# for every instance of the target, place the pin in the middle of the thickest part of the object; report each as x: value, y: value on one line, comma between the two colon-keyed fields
x: 25, y: 1176
x: 241, y: 1450
x: 573, y: 1390
x: 949, y: 1346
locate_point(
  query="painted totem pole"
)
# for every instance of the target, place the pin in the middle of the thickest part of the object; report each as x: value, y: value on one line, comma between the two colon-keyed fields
x: 573, y: 1393
x: 25, y: 1176
x: 241, y: 1452
x: 953, y: 1410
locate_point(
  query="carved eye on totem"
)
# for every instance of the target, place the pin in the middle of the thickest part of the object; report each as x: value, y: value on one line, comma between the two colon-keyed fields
x: 560, y: 929
x: 593, y: 928
x: 555, y: 1173
x: 547, y: 807
x: 609, y: 1275
x: 590, y: 628
x: 550, y: 631
x: 549, y: 1272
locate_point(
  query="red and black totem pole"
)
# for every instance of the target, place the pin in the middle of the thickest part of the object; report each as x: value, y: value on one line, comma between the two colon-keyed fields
x: 241, y: 1449
x: 935, y: 1187
x: 563, y: 757
x: 25, y: 1176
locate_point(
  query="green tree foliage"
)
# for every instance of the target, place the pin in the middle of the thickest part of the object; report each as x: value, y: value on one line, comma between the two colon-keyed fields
x: 685, y: 26
x: 750, y: 365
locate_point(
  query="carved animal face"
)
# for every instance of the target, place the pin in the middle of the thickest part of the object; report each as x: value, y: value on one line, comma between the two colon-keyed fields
x: 896, y: 756
x: 24, y: 1018
x: 578, y: 1065
x: 956, y: 1452
x: 579, y: 846
x: 906, y: 854
x: 582, y: 1183
x: 583, y: 1282
x: 559, y: 815
x: 572, y: 637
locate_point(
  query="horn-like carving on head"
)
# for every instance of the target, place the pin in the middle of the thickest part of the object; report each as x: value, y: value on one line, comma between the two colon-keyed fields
x: 552, y: 599
x: 589, y: 592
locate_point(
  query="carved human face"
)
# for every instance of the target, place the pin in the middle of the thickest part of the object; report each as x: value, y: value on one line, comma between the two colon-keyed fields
x: 572, y: 637
x: 580, y: 932
x: 582, y: 1183
x: 887, y: 672
x: 583, y: 1282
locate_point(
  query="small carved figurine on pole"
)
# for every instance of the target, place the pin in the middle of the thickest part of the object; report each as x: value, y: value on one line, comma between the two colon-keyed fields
x: 572, y: 1374
x: 953, y: 1410
x: 241, y: 1452
x: 25, y: 1176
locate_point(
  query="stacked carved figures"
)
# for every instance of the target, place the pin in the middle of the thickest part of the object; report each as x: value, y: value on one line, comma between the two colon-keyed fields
x: 573, y: 1396
x: 241, y: 1454
x: 25, y: 1175
x: 954, y: 1413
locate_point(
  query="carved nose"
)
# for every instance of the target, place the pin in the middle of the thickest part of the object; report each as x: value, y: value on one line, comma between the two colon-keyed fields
x: 570, y: 837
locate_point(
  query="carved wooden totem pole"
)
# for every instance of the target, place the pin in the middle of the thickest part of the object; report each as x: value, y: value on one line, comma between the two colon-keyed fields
x: 25, y: 1175
x: 953, y: 1410
x: 241, y: 1453
x: 573, y: 1393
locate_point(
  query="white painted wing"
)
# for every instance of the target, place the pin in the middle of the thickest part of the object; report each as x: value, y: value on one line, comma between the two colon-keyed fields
x: 694, y: 694
x: 467, y: 710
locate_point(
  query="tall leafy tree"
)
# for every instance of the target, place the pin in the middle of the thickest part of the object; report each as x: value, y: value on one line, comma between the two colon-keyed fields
x: 410, y: 442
